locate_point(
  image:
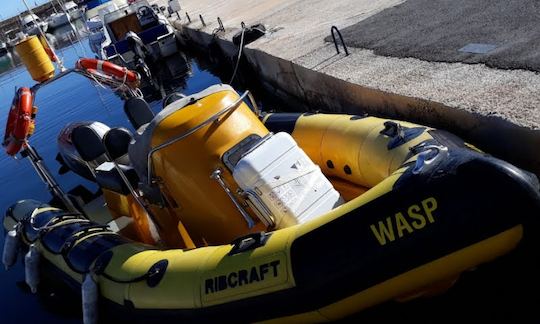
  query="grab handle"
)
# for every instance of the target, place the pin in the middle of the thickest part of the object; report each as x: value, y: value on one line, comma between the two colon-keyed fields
x: 249, y: 242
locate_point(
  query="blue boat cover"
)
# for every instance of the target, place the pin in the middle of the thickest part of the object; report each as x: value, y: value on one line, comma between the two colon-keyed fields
x: 148, y: 36
x: 94, y: 3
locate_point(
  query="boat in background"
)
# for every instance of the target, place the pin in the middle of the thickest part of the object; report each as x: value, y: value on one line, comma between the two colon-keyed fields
x: 4, y: 51
x: 58, y: 19
x: 6, y: 58
x: 137, y: 32
x: 137, y: 36
x: 73, y: 10
x: 31, y: 25
x: 94, y: 14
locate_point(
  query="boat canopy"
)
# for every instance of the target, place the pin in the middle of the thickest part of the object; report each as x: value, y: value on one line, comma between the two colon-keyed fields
x: 28, y: 20
x: 70, y: 5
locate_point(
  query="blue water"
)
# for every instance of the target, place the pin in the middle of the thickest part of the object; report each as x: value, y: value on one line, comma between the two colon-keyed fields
x: 72, y: 98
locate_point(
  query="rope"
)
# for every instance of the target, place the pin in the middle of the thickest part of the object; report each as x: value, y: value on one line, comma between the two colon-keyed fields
x: 96, y: 85
x: 114, y: 85
x: 51, y: 222
x: 239, y: 54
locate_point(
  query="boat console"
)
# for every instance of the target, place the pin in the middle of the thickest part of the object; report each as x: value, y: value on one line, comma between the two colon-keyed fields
x: 248, y: 179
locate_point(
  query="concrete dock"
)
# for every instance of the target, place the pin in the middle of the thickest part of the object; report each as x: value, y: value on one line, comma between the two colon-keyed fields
x: 414, y: 60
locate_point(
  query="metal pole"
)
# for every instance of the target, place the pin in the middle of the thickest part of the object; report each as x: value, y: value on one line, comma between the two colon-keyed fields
x: 48, y: 179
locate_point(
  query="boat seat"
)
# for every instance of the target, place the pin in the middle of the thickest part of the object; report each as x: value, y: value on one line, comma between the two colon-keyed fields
x: 87, y: 140
x: 138, y: 112
x: 147, y: 17
x: 148, y: 36
x: 116, y: 142
x: 108, y: 177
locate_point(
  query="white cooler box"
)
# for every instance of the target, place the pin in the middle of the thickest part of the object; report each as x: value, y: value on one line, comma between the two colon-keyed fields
x: 283, y: 185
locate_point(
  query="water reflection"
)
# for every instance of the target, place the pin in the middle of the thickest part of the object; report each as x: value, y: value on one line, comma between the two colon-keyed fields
x: 69, y: 34
x: 60, y: 38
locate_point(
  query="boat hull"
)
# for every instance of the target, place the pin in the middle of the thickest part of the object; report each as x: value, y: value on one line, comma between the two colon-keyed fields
x: 57, y: 20
x: 428, y: 221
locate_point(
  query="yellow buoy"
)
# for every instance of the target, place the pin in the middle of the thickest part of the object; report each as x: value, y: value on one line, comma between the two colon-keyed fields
x: 35, y: 58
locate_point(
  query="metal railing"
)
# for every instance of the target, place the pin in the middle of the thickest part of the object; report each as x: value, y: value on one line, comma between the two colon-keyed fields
x: 192, y: 130
x: 334, y: 30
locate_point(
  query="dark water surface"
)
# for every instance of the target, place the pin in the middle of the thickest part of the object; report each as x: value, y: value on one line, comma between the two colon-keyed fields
x: 73, y: 98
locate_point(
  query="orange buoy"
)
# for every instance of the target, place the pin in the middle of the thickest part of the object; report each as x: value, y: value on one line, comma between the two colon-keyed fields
x: 120, y: 73
x: 19, y: 122
x: 35, y: 58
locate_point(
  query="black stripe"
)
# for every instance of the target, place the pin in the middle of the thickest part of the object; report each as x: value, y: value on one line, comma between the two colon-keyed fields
x: 343, y: 257
x: 80, y: 257
x: 481, y: 199
x: 54, y: 239
x: 282, y: 122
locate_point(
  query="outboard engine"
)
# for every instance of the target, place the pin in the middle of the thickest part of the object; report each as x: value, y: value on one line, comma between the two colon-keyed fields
x: 137, y: 45
x: 145, y: 62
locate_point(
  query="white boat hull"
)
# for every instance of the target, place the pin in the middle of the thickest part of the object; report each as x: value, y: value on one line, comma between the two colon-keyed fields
x: 57, y: 20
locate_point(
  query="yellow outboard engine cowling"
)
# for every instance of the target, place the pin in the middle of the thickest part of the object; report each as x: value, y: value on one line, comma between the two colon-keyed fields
x: 186, y: 143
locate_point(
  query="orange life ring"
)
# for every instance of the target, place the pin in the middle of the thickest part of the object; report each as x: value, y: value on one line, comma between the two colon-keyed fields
x: 118, y: 72
x: 19, y: 123
x: 109, y: 79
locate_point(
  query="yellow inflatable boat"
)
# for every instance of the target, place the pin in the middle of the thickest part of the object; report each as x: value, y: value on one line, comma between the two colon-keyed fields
x: 214, y: 212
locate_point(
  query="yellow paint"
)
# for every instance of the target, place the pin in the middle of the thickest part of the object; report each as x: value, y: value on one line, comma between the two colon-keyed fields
x: 242, y: 279
x: 385, y: 231
x: 418, y: 219
x: 141, y: 221
x: 357, y: 144
x: 348, y: 190
x: 117, y: 204
x: 429, y: 205
x: 126, y: 205
x: 402, y: 224
x: 35, y: 59
x: 185, y: 167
